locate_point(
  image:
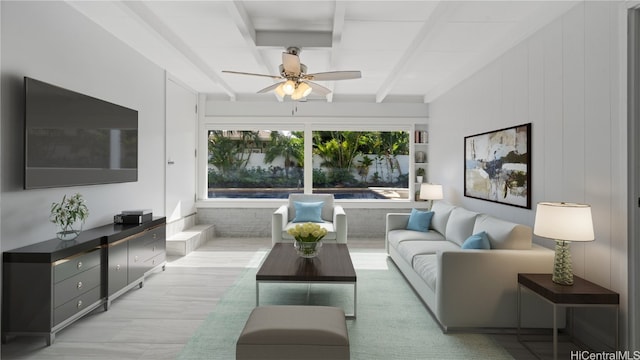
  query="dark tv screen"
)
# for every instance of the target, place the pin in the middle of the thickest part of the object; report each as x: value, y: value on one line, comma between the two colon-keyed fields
x: 74, y: 139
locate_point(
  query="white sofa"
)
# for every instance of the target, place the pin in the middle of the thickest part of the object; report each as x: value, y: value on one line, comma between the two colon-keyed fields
x: 470, y: 288
x: 333, y: 216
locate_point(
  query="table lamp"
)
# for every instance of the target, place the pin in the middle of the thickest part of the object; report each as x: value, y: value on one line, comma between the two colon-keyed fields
x: 431, y: 192
x: 563, y: 222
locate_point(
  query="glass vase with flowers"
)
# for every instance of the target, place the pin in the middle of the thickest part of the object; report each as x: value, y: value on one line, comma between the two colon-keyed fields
x: 308, y: 238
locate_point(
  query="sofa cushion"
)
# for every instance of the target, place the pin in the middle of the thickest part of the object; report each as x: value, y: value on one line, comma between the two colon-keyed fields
x: 308, y: 211
x: 395, y: 237
x: 419, y: 220
x: 441, y: 211
x: 409, y: 249
x: 327, y: 207
x: 504, y: 234
x: 477, y: 241
x: 427, y: 267
x: 460, y: 225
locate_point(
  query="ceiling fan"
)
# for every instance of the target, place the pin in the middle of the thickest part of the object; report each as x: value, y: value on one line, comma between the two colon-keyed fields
x: 296, y: 82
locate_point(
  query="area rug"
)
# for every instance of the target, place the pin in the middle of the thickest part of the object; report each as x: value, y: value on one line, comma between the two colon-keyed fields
x: 391, y: 323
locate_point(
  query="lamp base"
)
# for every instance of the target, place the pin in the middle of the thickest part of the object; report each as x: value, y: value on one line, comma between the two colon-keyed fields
x: 562, y: 272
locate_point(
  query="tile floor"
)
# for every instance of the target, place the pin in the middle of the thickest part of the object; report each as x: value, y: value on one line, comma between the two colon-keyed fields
x: 155, y: 322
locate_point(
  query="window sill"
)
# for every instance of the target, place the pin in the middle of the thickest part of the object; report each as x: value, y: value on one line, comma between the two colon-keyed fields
x: 274, y: 203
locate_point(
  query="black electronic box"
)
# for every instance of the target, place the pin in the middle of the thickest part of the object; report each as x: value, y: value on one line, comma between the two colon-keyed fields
x: 133, y: 217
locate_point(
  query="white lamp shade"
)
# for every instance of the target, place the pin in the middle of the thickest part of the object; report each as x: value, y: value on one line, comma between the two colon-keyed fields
x: 564, y: 221
x: 431, y: 192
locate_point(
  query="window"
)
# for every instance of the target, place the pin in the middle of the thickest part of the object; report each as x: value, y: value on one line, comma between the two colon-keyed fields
x: 361, y: 164
x: 270, y: 163
x: 254, y: 163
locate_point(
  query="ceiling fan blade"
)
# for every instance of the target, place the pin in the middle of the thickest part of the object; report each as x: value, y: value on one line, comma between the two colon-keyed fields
x: 318, y: 89
x: 334, y: 75
x: 252, y: 74
x: 269, y: 88
x: 291, y: 63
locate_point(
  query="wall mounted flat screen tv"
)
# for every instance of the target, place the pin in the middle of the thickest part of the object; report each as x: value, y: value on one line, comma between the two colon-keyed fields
x: 74, y: 139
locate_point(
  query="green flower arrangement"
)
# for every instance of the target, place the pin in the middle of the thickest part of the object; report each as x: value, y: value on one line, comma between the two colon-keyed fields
x: 67, y: 213
x: 308, y: 236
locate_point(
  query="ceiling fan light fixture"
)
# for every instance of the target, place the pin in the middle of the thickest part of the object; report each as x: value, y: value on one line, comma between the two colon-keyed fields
x: 302, y: 90
x: 289, y: 87
x: 305, y: 89
x: 294, y: 79
x: 280, y: 90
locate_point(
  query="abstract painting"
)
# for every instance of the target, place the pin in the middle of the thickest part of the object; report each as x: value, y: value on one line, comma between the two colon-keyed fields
x: 497, y: 166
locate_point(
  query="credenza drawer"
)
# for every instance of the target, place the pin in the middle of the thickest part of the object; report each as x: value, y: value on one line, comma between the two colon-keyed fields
x: 69, y: 267
x: 75, y: 305
x: 155, y: 261
x: 152, y: 249
x: 76, y: 285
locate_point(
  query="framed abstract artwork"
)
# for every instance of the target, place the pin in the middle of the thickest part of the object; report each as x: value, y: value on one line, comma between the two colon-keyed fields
x: 497, y: 166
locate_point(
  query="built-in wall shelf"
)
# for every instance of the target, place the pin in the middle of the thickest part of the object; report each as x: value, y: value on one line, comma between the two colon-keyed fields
x: 420, y: 156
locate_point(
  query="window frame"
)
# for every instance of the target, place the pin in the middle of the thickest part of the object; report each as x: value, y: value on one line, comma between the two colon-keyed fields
x: 307, y: 125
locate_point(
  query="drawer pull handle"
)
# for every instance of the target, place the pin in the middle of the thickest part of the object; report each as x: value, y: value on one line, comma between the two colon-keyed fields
x: 79, y: 265
x: 79, y: 304
x: 155, y: 236
x: 154, y: 248
x: 118, y: 267
x: 79, y: 284
x: 153, y: 261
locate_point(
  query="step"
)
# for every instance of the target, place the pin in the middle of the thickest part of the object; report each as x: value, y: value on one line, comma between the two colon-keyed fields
x: 187, y: 240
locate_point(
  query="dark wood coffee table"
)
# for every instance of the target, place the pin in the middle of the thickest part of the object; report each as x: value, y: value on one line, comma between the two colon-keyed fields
x: 332, y: 265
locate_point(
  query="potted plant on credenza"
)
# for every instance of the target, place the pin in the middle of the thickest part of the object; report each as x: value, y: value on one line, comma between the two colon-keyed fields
x: 69, y: 215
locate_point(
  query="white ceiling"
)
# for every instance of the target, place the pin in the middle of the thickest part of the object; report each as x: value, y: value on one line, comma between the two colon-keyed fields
x: 406, y: 50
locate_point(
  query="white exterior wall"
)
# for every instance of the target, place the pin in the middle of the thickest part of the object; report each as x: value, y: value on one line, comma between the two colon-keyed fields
x: 566, y: 80
x: 52, y: 42
x: 257, y: 161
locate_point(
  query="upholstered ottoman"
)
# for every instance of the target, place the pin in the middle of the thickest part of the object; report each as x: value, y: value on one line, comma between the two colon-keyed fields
x: 294, y: 332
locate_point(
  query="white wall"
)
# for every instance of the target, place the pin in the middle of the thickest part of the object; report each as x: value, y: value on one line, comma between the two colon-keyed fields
x: 565, y: 80
x: 52, y: 42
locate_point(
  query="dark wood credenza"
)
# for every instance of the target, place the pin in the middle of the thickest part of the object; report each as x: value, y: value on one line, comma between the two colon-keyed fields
x: 48, y: 285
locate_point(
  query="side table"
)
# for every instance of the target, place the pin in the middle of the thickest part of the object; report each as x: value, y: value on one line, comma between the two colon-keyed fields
x: 582, y: 293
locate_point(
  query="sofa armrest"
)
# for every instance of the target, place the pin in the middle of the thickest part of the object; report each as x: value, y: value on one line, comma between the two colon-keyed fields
x: 340, y: 224
x: 395, y: 221
x: 479, y: 287
x: 279, y: 221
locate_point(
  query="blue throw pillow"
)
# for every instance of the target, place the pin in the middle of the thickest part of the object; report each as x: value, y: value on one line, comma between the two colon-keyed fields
x: 308, y: 211
x: 477, y: 241
x: 419, y: 220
